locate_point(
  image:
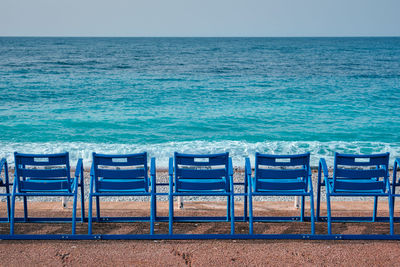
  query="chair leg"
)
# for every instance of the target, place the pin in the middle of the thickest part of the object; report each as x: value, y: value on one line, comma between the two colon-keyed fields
x: 302, y: 209
x: 391, y: 215
x: 90, y: 215
x: 74, y: 214
x: 250, y: 214
x: 328, y: 207
x: 98, y: 208
x: 228, y: 208
x: 12, y: 219
x: 25, y: 209
x: 318, y: 214
x: 9, y: 208
x: 232, y: 215
x: 312, y: 213
x: 155, y: 207
x: 171, y: 214
x: 152, y: 207
x: 375, y: 209
x: 82, y: 204
x: 245, y: 212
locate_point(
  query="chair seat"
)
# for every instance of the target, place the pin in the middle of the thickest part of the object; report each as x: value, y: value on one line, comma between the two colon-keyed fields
x: 357, y: 186
x: 38, y: 185
x: 280, y: 185
x: 201, y: 185
x: 121, y: 185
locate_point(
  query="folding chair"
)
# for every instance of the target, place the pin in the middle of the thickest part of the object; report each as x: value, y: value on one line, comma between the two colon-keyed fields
x: 201, y: 175
x: 118, y: 176
x: 280, y: 175
x: 355, y: 176
x: 46, y: 175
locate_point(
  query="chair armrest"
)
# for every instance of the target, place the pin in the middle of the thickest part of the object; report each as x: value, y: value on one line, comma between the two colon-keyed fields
x: 247, y: 167
x: 92, y: 170
x: 171, y: 174
x: 153, y: 174
x: 78, y: 174
x: 3, y: 164
x: 79, y: 171
x: 247, y: 170
x: 171, y: 167
x: 396, y: 166
x: 230, y: 173
x: 323, y: 169
x: 322, y: 164
x: 230, y: 167
x: 310, y: 184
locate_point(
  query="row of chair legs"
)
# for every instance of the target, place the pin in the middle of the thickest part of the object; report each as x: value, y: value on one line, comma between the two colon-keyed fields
x: 230, y: 215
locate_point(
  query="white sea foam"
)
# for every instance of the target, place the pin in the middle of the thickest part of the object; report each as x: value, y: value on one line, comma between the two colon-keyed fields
x: 238, y: 149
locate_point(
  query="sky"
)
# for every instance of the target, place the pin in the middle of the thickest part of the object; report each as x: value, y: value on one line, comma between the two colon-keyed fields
x: 188, y: 18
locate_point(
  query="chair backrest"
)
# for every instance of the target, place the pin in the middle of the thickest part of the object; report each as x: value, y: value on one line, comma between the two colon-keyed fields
x: 293, y: 168
x: 211, y: 167
x: 41, y: 168
x: 361, y: 167
x: 128, y: 168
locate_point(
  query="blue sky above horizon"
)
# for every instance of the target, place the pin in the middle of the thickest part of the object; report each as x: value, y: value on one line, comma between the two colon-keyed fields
x: 188, y: 18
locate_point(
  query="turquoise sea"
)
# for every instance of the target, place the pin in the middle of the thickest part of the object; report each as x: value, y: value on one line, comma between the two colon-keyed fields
x: 242, y: 95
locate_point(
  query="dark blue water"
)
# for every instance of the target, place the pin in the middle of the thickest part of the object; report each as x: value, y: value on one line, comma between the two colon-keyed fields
x: 274, y: 95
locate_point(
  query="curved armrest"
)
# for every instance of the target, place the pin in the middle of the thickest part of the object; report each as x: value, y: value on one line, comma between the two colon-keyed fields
x: 153, y: 174
x: 79, y: 173
x: 171, y: 167
x: 91, y: 178
x: 171, y: 174
x: 230, y: 173
x: 247, y: 170
x: 230, y: 167
x: 3, y: 164
x: 324, y: 168
x: 247, y: 167
x: 396, y: 166
x: 92, y: 170
x: 322, y: 164
x: 79, y: 169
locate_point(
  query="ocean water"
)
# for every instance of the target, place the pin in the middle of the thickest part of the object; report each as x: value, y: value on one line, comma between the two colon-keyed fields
x: 199, y: 95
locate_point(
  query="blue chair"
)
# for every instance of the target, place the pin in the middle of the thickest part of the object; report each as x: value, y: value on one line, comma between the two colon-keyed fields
x: 395, y: 181
x: 355, y: 176
x: 122, y: 175
x: 280, y: 175
x: 6, y: 184
x: 201, y: 175
x: 46, y: 175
